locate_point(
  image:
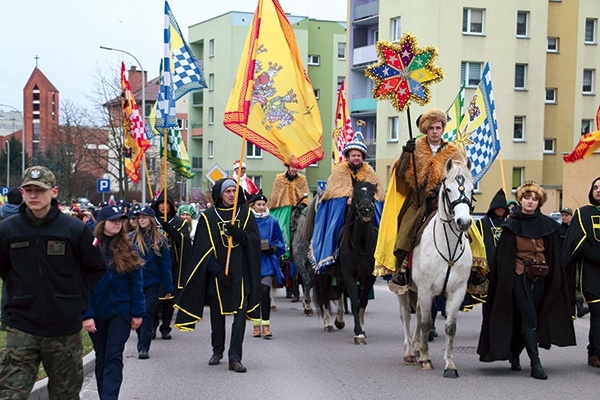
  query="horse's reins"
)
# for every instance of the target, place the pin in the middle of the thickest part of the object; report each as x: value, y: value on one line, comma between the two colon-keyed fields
x: 359, y: 216
x: 449, y: 210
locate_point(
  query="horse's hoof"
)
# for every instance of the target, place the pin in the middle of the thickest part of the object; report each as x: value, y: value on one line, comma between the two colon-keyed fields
x: 425, y: 365
x: 450, y: 373
x: 360, y: 339
x: 310, y: 313
x: 410, y: 360
x: 340, y: 324
x: 328, y: 329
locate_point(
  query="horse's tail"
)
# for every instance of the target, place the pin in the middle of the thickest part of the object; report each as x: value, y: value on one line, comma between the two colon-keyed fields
x: 322, y: 289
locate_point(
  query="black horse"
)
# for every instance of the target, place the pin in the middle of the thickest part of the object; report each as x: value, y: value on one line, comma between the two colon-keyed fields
x: 353, y: 269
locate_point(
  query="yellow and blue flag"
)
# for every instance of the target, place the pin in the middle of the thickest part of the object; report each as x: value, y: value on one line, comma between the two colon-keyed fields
x: 477, y: 135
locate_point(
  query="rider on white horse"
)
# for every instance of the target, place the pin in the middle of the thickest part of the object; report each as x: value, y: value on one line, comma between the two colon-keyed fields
x: 420, y: 183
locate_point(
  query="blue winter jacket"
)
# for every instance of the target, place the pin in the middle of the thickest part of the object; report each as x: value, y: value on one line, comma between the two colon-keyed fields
x: 117, y: 294
x: 157, y: 269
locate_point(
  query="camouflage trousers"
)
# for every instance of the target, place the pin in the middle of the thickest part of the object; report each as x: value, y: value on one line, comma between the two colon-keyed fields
x: 20, y: 360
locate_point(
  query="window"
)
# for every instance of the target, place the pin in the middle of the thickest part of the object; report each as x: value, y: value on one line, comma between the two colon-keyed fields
x: 588, y: 81
x: 552, y: 45
x: 196, y: 162
x: 393, y: 129
x: 396, y: 32
x: 211, y: 48
x: 257, y: 179
x: 341, y: 51
x: 253, y: 151
x: 522, y: 23
x: 211, y: 82
x: 470, y: 73
x: 473, y: 20
x: 549, y: 146
x: 590, y: 30
x: 519, y: 129
x: 586, y: 126
x: 182, y: 123
x: 314, y: 59
x: 550, y: 95
x: 375, y: 36
x: 517, y: 177
x: 340, y: 79
x: 211, y: 149
x: 317, y: 93
x: 521, y: 76
x: 211, y: 116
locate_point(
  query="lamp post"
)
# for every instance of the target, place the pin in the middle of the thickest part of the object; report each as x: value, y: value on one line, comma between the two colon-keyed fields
x: 7, y: 164
x: 143, y: 114
x: 22, y: 137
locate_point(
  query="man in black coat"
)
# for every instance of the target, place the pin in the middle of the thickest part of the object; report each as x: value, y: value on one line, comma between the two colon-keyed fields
x: 581, y: 250
x: 228, y: 288
x: 49, y: 262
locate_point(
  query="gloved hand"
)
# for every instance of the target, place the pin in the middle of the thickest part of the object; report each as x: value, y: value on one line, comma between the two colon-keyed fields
x: 238, y: 234
x: 223, y: 279
x: 410, y: 145
x: 272, y: 249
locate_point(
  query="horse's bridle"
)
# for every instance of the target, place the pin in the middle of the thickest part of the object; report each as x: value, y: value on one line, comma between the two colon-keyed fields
x: 364, y: 209
x: 449, y: 206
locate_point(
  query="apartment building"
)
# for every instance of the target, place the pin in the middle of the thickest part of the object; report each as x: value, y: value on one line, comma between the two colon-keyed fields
x: 543, y: 57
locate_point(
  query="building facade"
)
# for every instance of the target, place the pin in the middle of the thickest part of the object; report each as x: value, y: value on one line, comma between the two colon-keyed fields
x: 543, y: 57
x: 217, y: 44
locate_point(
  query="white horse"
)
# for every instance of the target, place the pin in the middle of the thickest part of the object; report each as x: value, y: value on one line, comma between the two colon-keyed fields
x: 441, y: 264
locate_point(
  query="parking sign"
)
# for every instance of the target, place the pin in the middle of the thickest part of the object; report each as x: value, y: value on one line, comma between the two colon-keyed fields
x: 103, y: 185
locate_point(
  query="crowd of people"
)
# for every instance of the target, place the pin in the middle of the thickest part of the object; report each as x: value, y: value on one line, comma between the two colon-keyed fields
x: 129, y: 266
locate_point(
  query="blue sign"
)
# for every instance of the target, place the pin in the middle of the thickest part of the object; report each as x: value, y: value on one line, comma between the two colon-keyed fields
x: 4, y: 190
x: 321, y: 186
x: 103, y: 185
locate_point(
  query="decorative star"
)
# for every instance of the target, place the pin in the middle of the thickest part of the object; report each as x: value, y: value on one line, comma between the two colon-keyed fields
x: 404, y: 72
x: 462, y: 139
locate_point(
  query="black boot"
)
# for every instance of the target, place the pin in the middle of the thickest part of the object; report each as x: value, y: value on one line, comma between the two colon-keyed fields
x: 515, y: 364
x: 537, y: 371
x: 402, y: 276
x: 582, y: 308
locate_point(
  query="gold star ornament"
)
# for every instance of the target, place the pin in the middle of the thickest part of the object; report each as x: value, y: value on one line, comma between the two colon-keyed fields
x: 404, y: 72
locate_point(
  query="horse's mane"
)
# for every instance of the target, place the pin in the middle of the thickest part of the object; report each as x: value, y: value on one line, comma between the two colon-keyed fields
x: 459, y: 167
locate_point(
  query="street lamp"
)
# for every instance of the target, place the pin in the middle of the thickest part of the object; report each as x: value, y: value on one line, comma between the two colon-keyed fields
x: 143, y: 114
x: 7, y: 164
x: 22, y: 138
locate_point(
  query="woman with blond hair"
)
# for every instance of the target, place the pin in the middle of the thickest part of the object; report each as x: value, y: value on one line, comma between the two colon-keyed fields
x: 527, y: 301
x: 154, y: 248
x: 117, y: 302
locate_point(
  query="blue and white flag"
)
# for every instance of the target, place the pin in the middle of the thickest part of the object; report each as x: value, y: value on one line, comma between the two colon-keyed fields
x: 187, y: 74
x: 477, y: 135
x: 180, y: 72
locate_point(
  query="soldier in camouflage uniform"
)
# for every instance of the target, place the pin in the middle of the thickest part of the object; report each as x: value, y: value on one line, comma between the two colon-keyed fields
x: 49, y: 263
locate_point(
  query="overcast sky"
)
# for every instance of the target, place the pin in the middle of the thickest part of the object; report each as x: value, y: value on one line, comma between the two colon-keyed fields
x: 66, y: 35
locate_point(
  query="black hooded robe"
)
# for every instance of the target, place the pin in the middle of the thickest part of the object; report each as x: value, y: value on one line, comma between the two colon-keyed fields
x: 554, y: 321
x: 210, y: 246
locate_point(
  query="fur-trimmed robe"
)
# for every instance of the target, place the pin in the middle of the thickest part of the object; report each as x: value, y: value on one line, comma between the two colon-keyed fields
x: 430, y: 173
x: 332, y: 211
x: 287, y: 192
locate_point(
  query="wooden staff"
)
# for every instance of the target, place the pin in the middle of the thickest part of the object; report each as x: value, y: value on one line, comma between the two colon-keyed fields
x: 235, y: 201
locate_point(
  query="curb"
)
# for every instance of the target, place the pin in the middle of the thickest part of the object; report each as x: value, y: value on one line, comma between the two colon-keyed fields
x: 40, y: 389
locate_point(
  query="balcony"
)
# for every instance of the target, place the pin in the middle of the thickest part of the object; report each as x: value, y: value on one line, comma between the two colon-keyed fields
x: 366, y: 12
x: 363, y: 105
x: 363, y: 56
x: 197, y: 130
x: 198, y: 99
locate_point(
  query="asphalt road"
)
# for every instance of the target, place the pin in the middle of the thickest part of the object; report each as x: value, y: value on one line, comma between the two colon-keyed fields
x: 303, y: 362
